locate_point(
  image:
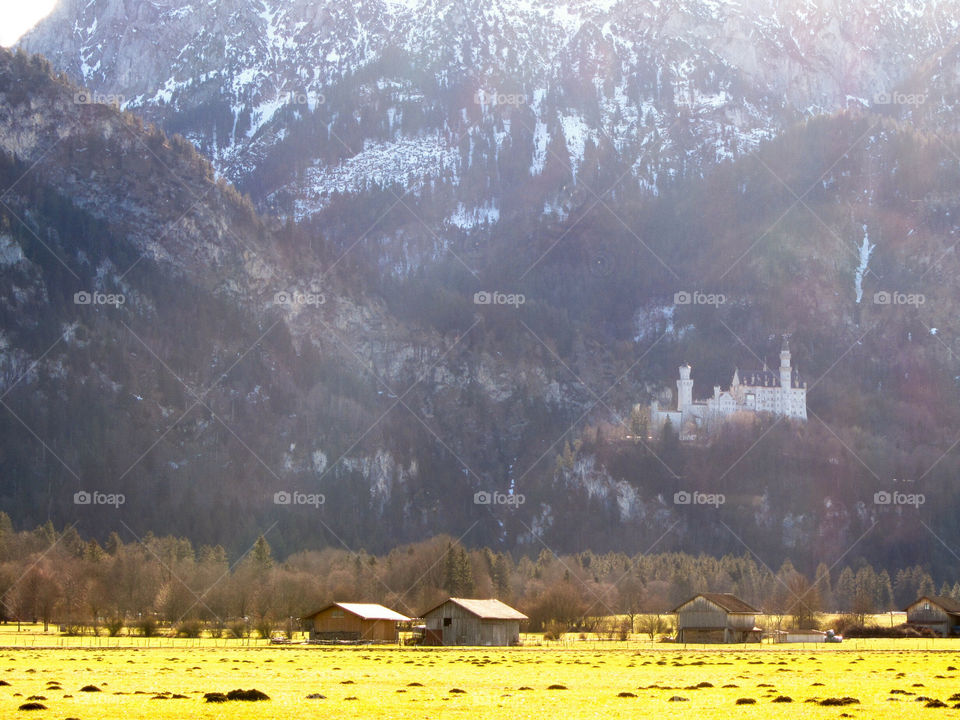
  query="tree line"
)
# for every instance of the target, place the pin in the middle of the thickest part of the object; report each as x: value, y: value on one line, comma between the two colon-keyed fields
x: 164, y: 584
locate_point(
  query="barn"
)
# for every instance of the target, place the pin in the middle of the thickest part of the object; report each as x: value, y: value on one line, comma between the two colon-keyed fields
x: 717, y: 618
x: 937, y: 612
x: 465, y: 621
x: 358, y: 622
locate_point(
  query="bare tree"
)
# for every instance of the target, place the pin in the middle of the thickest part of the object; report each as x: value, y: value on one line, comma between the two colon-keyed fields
x: 653, y: 624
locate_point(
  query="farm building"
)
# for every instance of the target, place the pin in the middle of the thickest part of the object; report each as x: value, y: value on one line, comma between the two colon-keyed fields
x: 716, y: 618
x: 462, y: 621
x: 939, y: 613
x: 362, y: 622
x: 800, y: 636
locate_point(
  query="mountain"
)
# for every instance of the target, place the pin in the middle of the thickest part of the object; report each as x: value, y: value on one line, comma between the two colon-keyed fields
x: 474, y: 112
x: 590, y: 161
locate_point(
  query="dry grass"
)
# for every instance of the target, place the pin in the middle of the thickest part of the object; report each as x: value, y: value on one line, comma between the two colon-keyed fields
x: 887, y: 678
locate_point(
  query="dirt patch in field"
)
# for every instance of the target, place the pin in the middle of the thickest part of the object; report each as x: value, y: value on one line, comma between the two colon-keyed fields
x: 846, y: 700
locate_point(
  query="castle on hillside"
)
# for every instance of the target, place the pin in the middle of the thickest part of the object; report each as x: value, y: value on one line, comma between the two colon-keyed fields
x: 780, y: 393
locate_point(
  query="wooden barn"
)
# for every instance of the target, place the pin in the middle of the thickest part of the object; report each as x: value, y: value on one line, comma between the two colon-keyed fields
x: 358, y: 622
x: 717, y: 618
x: 463, y: 621
x: 939, y: 613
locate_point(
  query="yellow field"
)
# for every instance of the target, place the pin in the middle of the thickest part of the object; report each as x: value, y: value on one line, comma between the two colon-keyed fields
x: 137, y: 683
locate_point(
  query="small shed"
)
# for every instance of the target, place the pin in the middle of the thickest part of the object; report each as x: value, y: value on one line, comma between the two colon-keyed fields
x: 717, y: 618
x: 800, y: 636
x: 357, y: 622
x: 937, y: 612
x: 466, y: 621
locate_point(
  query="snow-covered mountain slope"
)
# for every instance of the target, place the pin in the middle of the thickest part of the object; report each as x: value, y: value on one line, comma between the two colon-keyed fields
x: 487, y: 100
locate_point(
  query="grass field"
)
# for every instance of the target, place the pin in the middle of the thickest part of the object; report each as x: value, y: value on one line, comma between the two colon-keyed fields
x: 889, y: 678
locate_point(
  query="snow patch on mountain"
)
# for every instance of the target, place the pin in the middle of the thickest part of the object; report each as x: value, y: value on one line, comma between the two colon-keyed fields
x: 10, y: 251
x: 576, y: 132
x: 866, y: 249
x: 468, y: 218
x: 540, y: 140
x: 407, y: 162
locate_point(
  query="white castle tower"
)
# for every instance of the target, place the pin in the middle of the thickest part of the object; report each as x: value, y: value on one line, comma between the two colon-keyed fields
x: 785, y: 365
x: 684, y: 388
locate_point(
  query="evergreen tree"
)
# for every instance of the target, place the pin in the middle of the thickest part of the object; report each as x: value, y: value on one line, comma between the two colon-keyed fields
x: 865, y: 593
x: 464, y: 573
x: 822, y: 581
x: 262, y: 555
x: 93, y: 553
x: 884, y: 592
x: 500, y: 576
x: 845, y: 591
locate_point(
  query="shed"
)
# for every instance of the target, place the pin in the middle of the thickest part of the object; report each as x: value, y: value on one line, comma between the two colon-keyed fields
x: 800, y: 636
x: 465, y: 621
x: 716, y: 618
x: 937, y: 612
x: 358, y: 622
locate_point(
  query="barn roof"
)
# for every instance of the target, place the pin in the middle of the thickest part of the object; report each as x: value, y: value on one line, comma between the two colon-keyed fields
x: 491, y: 609
x: 726, y: 601
x: 944, y: 601
x: 367, y: 611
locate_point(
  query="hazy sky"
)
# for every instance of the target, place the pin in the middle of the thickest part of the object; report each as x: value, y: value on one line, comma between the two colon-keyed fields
x: 18, y: 16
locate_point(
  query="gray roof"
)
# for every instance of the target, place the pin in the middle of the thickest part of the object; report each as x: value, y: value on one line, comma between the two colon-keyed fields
x: 491, y: 609
x: 945, y: 602
x: 726, y: 601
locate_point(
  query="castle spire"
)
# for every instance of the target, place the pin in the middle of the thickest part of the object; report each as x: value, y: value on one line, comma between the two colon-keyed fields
x: 785, y: 379
x: 684, y: 388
